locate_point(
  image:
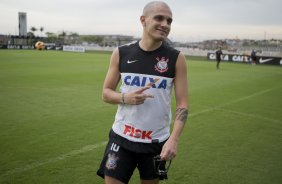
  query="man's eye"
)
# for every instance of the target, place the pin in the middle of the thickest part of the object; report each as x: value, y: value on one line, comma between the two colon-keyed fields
x: 159, y: 18
x: 169, y: 21
x: 162, y: 18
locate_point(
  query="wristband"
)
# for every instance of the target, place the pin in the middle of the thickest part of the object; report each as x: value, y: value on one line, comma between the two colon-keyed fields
x: 122, y: 98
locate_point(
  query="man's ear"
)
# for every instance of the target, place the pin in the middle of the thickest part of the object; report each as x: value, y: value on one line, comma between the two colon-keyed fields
x: 142, y: 20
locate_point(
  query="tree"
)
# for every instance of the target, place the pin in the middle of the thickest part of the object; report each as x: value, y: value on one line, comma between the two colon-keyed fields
x: 51, y: 37
x: 50, y: 34
x: 62, y: 36
x: 93, y: 39
x: 30, y: 34
x: 41, y: 30
x: 74, y: 37
x: 33, y: 29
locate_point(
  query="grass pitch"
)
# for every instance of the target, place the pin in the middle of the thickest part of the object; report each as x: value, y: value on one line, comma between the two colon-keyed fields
x: 54, y: 125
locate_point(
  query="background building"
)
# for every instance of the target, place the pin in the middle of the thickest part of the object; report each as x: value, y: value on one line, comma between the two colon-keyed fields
x: 22, y: 24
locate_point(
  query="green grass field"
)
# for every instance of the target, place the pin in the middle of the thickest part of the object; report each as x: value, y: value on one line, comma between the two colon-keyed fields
x: 54, y: 125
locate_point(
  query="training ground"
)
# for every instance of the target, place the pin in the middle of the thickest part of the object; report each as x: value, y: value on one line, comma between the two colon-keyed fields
x: 54, y: 125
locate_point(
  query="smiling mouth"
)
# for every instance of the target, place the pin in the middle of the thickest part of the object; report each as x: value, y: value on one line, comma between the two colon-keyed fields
x: 163, y: 31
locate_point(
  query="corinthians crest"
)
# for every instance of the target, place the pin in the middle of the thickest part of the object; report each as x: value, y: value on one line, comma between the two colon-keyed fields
x: 161, y: 66
x: 112, y: 161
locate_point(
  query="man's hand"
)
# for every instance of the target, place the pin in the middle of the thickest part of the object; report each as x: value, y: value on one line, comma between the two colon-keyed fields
x: 137, y: 97
x: 169, y: 150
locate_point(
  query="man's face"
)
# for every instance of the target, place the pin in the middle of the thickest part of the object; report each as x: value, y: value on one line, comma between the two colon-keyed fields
x: 157, y: 23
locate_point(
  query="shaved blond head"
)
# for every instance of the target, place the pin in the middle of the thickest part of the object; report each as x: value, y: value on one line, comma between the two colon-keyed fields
x: 151, y: 6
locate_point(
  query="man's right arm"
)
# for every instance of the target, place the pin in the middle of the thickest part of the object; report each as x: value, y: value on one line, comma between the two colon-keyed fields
x: 109, y: 93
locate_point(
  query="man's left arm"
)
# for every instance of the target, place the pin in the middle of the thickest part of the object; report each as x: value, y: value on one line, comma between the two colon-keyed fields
x: 169, y: 149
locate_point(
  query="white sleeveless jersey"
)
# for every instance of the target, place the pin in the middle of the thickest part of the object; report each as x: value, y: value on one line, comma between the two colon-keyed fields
x: 148, y: 122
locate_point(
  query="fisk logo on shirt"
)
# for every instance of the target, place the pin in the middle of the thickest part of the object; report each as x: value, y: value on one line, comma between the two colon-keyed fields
x: 143, y: 81
x: 137, y: 133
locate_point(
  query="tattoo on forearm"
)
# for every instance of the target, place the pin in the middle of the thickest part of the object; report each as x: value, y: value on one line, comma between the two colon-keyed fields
x: 181, y: 114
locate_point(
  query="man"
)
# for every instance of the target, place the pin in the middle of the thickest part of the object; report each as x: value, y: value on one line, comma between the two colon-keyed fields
x: 147, y: 69
x: 218, y: 54
x: 253, y: 57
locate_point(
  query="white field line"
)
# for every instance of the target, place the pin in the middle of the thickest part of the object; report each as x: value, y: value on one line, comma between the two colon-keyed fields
x: 56, y: 159
x: 252, y: 115
x: 246, y: 114
x: 232, y: 102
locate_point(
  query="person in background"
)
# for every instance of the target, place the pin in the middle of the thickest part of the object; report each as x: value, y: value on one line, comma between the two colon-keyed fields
x: 148, y: 70
x: 253, y: 57
x: 218, y: 54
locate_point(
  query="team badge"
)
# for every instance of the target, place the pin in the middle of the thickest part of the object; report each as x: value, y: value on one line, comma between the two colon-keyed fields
x: 161, y: 66
x: 112, y: 161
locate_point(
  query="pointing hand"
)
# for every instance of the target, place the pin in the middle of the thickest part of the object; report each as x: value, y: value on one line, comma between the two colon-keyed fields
x: 137, y: 97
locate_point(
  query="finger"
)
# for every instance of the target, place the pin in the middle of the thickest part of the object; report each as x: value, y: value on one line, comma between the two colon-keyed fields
x: 144, y: 96
x: 149, y: 96
x: 167, y: 155
x: 140, y: 97
x: 141, y: 90
x: 151, y: 83
x: 163, y: 156
x: 166, y: 158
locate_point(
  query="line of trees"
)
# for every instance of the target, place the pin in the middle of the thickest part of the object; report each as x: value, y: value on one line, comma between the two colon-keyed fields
x: 66, y: 37
x: 62, y: 37
x: 34, y: 29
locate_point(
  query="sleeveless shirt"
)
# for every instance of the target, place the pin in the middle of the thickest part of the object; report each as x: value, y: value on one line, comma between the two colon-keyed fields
x: 148, y: 122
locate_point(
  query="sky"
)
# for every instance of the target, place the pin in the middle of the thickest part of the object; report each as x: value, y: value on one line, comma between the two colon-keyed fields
x: 193, y: 20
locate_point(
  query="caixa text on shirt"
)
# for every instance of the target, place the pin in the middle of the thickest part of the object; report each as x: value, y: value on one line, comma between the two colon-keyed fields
x: 137, y: 133
x: 143, y: 81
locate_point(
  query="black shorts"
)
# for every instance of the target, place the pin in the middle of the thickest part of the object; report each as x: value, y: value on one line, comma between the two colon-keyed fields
x: 122, y: 156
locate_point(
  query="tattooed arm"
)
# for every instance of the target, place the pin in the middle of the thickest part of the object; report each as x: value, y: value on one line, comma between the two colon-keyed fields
x: 169, y: 149
x: 181, y: 114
